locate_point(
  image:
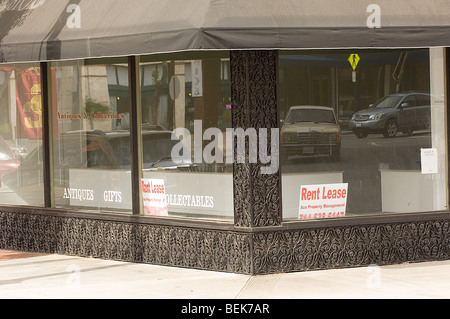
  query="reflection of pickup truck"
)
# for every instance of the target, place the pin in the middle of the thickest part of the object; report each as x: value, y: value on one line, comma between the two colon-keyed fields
x: 396, y: 112
x: 311, y: 131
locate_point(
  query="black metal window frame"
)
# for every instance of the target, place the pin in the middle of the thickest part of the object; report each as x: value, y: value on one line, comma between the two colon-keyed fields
x: 133, y: 63
x: 133, y: 76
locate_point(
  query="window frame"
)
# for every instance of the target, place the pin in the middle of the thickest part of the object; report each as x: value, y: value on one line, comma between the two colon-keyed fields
x: 135, y: 141
x: 439, y: 58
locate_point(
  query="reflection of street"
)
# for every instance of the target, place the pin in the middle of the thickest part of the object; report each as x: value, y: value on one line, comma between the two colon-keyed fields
x: 361, y: 161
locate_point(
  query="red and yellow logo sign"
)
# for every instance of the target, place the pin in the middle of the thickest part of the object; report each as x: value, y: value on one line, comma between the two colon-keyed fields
x: 29, y: 103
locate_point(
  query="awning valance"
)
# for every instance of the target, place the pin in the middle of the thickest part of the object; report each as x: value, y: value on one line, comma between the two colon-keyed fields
x: 40, y: 30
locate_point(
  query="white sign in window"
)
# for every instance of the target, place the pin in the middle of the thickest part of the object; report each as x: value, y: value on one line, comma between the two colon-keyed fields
x: 428, y: 159
x: 154, y: 197
x: 323, y: 201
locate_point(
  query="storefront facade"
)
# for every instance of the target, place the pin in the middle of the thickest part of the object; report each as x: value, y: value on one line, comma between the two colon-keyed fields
x: 247, y: 142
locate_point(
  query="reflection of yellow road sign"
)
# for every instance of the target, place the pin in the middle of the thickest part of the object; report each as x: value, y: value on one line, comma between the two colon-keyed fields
x: 354, y: 59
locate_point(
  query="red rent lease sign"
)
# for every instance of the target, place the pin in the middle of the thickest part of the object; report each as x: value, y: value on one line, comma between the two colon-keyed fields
x: 323, y: 201
x: 154, y: 197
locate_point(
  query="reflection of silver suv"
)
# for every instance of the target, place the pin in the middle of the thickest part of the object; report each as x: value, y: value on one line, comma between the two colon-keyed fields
x: 404, y: 112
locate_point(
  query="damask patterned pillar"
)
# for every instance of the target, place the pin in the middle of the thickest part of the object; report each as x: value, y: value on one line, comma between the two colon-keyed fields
x: 257, y: 201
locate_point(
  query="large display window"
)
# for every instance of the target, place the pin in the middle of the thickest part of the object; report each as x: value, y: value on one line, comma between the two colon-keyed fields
x: 186, y: 137
x: 91, y: 135
x: 362, y: 132
x: 21, y: 135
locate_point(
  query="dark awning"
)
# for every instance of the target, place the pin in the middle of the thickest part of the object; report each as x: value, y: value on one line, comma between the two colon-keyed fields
x: 37, y: 30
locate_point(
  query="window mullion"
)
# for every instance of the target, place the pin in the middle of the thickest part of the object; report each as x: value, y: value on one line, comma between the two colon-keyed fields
x: 135, y: 133
x: 46, y: 83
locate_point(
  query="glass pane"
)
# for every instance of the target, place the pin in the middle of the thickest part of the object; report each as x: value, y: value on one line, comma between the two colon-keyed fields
x: 186, y: 111
x: 91, y: 143
x: 358, y: 141
x: 21, y: 135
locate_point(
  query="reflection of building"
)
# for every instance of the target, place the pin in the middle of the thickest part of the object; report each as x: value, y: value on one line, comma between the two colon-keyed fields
x: 146, y: 69
x: 327, y: 78
x: 85, y: 90
x: 167, y: 86
x: 160, y: 82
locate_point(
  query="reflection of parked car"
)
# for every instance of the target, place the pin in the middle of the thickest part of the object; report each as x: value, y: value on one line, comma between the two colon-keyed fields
x: 97, y: 150
x: 311, y: 131
x: 397, y: 112
x: 348, y: 105
x: 8, y: 161
x: 19, y: 152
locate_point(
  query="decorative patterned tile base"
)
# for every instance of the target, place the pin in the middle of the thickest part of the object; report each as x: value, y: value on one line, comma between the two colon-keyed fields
x: 253, y: 251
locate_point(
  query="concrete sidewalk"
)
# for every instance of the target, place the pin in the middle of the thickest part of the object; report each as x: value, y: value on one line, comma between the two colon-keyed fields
x: 41, y: 276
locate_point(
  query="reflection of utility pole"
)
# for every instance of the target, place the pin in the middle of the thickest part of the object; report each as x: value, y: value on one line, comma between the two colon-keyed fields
x: 158, y: 83
x: 178, y: 94
x: 206, y: 106
x: 397, y: 75
x: 357, y: 87
x: 11, y: 103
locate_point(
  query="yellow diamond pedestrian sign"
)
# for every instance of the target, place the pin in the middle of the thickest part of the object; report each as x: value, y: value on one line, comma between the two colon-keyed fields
x: 354, y: 59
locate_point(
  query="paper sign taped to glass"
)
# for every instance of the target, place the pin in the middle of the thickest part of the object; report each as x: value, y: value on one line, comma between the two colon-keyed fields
x: 154, y: 197
x: 428, y: 160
